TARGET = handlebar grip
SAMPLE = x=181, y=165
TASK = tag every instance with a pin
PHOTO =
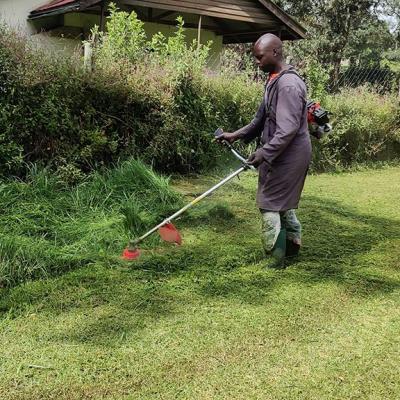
x=218, y=132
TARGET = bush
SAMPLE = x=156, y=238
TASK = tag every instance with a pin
x=366, y=129
x=160, y=108
x=317, y=78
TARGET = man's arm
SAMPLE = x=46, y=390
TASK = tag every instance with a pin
x=250, y=131
x=255, y=127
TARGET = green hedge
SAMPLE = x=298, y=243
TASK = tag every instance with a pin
x=54, y=113
x=366, y=130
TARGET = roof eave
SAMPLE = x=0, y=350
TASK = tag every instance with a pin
x=294, y=26
x=291, y=26
x=78, y=5
x=55, y=11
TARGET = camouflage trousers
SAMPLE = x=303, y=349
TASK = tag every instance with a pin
x=273, y=222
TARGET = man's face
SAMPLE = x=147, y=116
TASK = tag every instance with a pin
x=265, y=57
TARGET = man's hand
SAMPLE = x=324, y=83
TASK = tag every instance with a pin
x=256, y=159
x=229, y=137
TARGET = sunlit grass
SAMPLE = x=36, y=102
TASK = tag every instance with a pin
x=208, y=321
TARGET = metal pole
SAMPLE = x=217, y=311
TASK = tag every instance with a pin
x=199, y=32
x=191, y=204
x=87, y=56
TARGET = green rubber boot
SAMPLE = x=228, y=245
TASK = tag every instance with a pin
x=279, y=251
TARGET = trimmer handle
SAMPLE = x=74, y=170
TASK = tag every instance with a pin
x=239, y=156
x=218, y=133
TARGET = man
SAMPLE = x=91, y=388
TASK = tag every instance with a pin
x=284, y=153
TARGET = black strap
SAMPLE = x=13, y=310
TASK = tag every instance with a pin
x=271, y=96
x=273, y=86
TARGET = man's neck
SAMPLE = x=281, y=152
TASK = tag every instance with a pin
x=279, y=67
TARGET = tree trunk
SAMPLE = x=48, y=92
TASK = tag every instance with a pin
x=335, y=74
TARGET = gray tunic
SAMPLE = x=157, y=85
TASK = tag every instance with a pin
x=285, y=143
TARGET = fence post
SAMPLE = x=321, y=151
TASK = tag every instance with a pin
x=87, y=56
x=398, y=84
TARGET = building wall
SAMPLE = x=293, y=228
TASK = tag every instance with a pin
x=15, y=13
x=81, y=20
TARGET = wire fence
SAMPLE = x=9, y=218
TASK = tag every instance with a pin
x=383, y=80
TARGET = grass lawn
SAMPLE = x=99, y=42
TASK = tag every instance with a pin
x=208, y=321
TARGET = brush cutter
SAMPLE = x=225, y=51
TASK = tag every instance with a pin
x=166, y=229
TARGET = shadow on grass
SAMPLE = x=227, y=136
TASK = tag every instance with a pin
x=337, y=231
x=127, y=299
x=339, y=241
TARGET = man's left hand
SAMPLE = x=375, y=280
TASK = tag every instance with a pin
x=256, y=159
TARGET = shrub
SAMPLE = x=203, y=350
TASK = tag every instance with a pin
x=317, y=78
x=366, y=129
x=150, y=98
x=158, y=107
x=125, y=38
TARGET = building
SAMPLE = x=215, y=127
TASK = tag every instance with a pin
x=65, y=23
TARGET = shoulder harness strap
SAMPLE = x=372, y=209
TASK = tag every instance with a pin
x=273, y=87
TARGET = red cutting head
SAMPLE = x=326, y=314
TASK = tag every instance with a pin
x=130, y=254
x=170, y=234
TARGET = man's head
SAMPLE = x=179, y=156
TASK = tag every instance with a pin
x=268, y=52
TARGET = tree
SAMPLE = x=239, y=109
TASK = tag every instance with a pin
x=392, y=9
x=369, y=43
x=339, y=29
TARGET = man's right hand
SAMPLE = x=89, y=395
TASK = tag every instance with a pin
x=228, y=136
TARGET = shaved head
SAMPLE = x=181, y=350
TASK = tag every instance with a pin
x=268, y=52
x=269, y=41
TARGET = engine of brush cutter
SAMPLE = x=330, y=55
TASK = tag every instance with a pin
x=318, y=120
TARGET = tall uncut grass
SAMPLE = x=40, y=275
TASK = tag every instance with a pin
x=366, y=129
x=47, y=227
